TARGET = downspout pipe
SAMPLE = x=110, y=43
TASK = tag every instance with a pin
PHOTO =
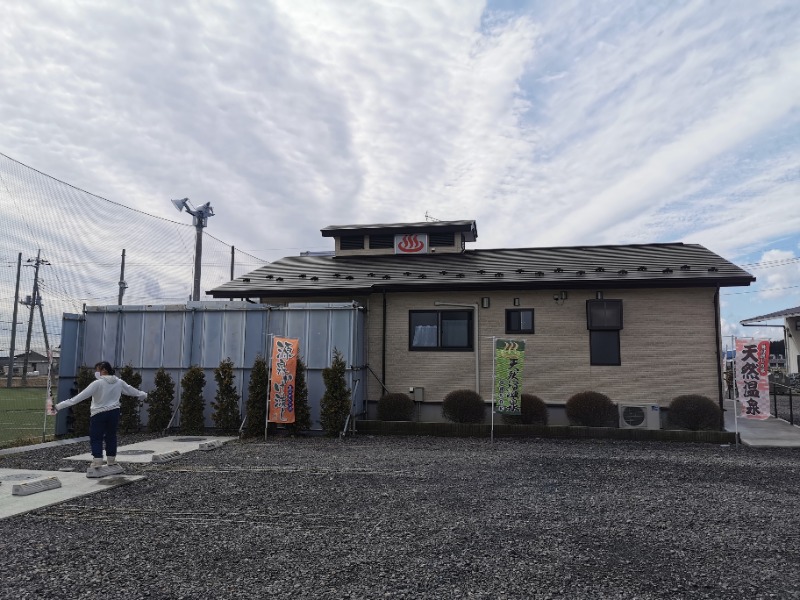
x=383, y=345
x=718, y=330
x=476, y=341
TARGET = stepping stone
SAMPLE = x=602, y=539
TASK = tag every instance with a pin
x=166, y=456
x=210, y=445
x=34, y=487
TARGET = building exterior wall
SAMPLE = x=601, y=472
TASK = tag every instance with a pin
x=668, y=345
x=792, y=325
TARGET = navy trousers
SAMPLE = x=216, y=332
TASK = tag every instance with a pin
x=103, y=427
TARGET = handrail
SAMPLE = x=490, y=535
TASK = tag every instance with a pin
x=347, y=420
x=783, y=385
x=375, y=375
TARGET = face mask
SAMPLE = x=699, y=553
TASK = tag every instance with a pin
x=97, y=375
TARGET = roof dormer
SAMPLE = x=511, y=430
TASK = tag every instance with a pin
x=402, y=238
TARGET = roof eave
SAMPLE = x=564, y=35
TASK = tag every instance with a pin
x=483, y=286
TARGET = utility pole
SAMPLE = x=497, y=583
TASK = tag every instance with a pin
x=200, y=219
x=14, y=324
x=34, y=299
x=122, y=285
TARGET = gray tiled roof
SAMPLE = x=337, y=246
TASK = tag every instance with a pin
x=789, y=312
x=646, y=265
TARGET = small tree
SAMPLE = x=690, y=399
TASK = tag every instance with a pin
x=302, y=412
x=129, y=421
x=226, y=400
x=159, y=402
x=335, y=404
x=192, y=402
x=81, y=411
x=257, y=397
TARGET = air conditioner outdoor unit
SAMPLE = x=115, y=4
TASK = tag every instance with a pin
x=640, y=416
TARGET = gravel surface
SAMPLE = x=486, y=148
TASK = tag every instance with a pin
x=380, y=517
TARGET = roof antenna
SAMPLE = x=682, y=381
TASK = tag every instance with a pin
x=430, y=218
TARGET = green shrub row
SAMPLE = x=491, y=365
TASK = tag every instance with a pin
x=161, y=398
x=588, y=409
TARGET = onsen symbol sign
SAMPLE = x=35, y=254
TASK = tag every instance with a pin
x=412, y=243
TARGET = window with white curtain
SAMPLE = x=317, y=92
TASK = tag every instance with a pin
x=440, y=330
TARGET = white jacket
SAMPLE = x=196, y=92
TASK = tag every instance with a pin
x=105, y=393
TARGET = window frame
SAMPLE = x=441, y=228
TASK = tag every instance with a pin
x=350, y=243
x=595, y=360
x=532, y=329
x=601, y=327
x=598, y=354
x=470, y=316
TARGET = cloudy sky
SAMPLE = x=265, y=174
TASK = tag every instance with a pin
x=548, y=122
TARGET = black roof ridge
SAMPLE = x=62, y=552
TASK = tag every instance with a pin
x=589, y=247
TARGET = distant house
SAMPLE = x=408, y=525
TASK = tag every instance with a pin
x=790, y=320
x=36, y=363
x=639, y=323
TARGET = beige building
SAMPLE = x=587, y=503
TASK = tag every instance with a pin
x=790, y=322
x=639, y=323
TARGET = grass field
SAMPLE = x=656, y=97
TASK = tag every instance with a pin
x=22, y=415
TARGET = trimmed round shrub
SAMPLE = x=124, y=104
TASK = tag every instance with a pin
x=463, y=406
x=591, y=409
x=395, y=407
x=534, y=412
x=694, y=412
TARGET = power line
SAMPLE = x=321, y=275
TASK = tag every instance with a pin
x=789, y=287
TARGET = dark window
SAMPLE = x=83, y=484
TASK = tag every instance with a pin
x=604, y=347
x=381, y=242
x=440, y=330
x=604, y=314
x=351, y=242
x=519, y=320
x=436, y=240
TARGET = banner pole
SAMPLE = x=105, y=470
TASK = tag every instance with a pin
x=494, y=376
x=48, y=403
x=269, y=387
x=733, y=397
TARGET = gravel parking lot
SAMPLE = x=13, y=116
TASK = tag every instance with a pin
x=375, y=517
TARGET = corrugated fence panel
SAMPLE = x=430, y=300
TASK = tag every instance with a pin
x=68, y=363
x=110, y=335
x=93, y=340
x=316, y=351
x=204, y=333
x=255, y=340
x=153, y=347
x=173, y=339
x=211, y=350
x=340, y=335
x=233, y=337
x=132, y=331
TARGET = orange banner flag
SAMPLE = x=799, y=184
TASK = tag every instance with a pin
x=282, y=383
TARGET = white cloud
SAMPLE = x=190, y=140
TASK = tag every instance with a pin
x=779, y=271
x=557, y=123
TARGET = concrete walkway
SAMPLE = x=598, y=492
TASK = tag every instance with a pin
x=769, y=433
x=19, y=449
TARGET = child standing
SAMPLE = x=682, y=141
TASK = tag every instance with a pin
x=105, y=409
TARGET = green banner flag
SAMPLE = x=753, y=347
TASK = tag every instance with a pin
x=509, y=357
